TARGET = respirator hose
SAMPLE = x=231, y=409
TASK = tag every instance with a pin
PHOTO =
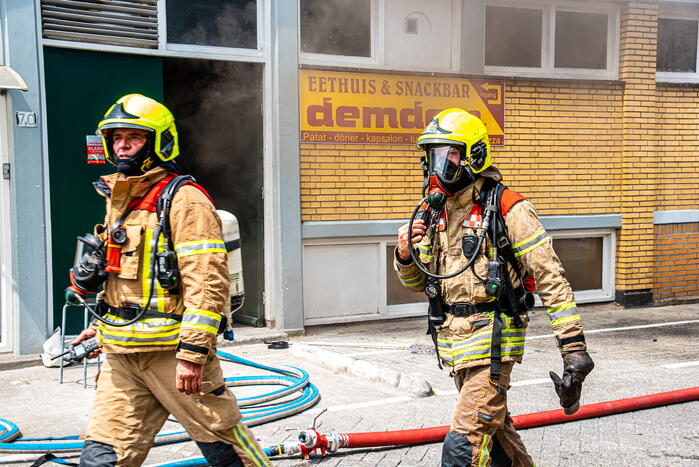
x=154, y=250
x=471, y=260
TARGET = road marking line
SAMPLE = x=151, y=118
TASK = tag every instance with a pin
x=373, y=352
x=526, y=382
x=360, y=405
x=681, y=364
x=531, y=382
x=626, y=328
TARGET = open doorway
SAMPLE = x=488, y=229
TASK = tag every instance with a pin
x=218, y=109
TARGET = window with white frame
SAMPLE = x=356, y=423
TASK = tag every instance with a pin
x=678, y=37
x=553, y=39
x=336, y=27
x=216, y=29
x=218, y=23
x=339, y=31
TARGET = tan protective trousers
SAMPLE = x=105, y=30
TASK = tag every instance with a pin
x=481, y=414
x=136, y=393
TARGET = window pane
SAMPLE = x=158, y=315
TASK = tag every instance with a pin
x=222, y=23
x=338, y=27
x=582, y=260
x=677, y=45
x=396, y=292
x=512, y=37
x=581, y=40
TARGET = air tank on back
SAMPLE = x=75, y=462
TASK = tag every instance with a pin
x=231, y=235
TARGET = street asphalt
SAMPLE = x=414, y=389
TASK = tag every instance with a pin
x=636, y=351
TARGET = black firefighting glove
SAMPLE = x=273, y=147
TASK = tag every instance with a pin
x=576, y=366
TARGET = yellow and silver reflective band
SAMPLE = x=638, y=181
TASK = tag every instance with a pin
x=476, y=347
x=425, y=252
x=531, y=242
x=199, y=247
x=413, y=281
x=485, y=451
x=563, y=313
x=130, y=336
x=158, y=298
x=203, y=320
x=250, y=446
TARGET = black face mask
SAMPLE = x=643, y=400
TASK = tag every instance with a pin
x=137, y=164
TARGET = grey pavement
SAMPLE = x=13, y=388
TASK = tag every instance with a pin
x=629, y=362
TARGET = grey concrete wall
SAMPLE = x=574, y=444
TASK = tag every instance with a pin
x=285, y=291
x=28, y=208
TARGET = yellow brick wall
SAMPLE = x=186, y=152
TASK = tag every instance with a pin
x=676, y=261
x=639, y=147
x=573, y=147
x=562, y=152
x=678, y=149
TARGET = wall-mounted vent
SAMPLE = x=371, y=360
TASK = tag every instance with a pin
x=411, y=24
x=130, y=23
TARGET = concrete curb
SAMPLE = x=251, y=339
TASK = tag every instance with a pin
x=361, y=368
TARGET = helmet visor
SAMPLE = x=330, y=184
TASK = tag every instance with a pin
x=445, y=161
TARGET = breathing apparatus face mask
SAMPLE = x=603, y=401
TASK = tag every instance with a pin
x=89, y=263
x=448, y=172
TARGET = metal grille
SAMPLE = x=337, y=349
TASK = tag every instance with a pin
x=411, y=24
x=130, y=23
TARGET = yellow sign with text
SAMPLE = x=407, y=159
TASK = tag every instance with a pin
x=365, y=108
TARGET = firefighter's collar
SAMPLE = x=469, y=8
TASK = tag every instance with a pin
x=138, y=185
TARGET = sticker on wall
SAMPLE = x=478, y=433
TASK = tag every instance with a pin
x=95, y=150
x=363, y=108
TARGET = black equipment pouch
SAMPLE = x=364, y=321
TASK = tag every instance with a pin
x=435, y=314
x=167, y=270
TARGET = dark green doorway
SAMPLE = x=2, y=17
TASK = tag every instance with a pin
x=218, y=109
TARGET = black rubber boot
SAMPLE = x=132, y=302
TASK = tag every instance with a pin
x=96, y=454
x=457, y=450
x=220, y=454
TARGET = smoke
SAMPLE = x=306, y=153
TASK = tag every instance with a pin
x=225, y=23
x=218, y=113
x=339, y=27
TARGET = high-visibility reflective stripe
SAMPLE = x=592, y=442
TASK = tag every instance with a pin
x=484, y=352
x=563, y=313
x=482, y=341
x=200, y=247
x=250, y=447
x=485, y=451
x=413, y=281
x=530, y=242
x=147, y=324
x=567, y=319
x=425, y=252
x=111, y=336
x=204, y=320
x=158, y=299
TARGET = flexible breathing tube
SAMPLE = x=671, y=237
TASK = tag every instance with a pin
x=256, y=410
x=476, y=251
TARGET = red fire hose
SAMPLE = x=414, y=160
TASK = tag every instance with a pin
x=312, y=440
x=530, y=420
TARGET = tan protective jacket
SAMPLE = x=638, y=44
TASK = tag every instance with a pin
x=204, y=279
x=466, y=341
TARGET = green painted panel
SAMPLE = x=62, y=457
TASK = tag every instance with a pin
x=80, y=87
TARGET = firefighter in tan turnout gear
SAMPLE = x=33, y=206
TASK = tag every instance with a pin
x=478, y=251
x=160, y=310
